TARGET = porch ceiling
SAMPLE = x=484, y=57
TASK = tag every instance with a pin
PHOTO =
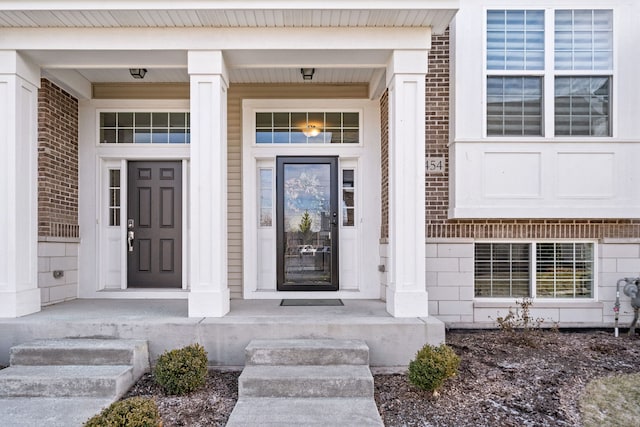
x=228, y=14
x=80, y=42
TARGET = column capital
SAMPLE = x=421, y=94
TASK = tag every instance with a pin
x=11, y=62
x=407, y=62
x=206, y=63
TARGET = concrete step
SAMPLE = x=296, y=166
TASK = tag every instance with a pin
x=307, y=352
x=49, y=411
x=66, y=381
x=83, y=352
x=286, y=412
x=306, y=381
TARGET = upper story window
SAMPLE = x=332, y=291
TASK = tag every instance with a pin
x=562, y=88
x=308, y=128
x=145, y=128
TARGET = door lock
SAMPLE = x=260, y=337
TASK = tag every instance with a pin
x=130, y=237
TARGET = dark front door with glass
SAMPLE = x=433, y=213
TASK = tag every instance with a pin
x=154, y=225
x=307, y=223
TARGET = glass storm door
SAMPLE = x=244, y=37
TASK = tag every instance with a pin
x=307, y=223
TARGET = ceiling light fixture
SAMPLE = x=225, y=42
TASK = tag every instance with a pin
x=307, y=73
x=138, y=73
x=310, y=131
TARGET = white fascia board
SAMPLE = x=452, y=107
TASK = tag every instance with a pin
x=310, y=39
x=71, y=81
x=74, y=5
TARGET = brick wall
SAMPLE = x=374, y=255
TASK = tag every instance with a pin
x=58, y=231
x=437, y=184
x=384, y=165
x=57, y=162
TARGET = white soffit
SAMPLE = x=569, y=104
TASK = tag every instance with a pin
x=227, y=14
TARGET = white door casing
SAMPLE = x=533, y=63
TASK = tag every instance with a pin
x=358, y=245
x=103, y=272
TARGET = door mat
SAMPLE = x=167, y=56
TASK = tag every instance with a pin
x=310, y=302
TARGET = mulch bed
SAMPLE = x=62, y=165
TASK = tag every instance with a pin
x=505, y=379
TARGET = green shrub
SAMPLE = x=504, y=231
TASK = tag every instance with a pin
x=133, y=412
x=183, y=370
x=432, y=366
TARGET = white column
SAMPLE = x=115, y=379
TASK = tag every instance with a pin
x=406, y=292
x=19, y=82
x=209, y=290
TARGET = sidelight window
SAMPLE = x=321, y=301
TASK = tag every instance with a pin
x=114, y=197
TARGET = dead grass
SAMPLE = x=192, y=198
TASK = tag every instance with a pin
x=612, y=401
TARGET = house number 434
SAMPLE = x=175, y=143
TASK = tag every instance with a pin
x=435, y=164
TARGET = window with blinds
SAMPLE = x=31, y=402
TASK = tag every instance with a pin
x=502, y=270
x=578, y=74
x=536, y=269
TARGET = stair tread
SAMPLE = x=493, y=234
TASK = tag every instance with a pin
x=308, y=344
x=54, y=372
x=305, y=371
x=267, y=411
x=76, y=343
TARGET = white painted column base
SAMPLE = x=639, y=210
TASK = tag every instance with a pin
x=209, y=303
x=20, y=303
x=407, y=303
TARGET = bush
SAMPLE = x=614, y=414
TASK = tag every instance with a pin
x=432, y=366
x=183, y=370
x=133, y=412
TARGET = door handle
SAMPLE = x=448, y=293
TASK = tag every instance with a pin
x=130, y=237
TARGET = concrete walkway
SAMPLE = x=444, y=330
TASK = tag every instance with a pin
x=49, y=412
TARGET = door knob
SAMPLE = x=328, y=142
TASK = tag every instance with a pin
x=130, y=237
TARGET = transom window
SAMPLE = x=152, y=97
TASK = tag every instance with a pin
x=576, y=79
x=537, y=269
x=145, y=128
x=308, y=128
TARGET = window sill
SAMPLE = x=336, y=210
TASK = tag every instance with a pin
x=539, y=304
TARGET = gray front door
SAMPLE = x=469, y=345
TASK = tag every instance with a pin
x=154, y=225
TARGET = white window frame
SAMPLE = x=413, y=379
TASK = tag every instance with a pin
x=548, y=77
x=533, y=275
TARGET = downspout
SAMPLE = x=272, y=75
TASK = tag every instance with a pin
x=616, y=307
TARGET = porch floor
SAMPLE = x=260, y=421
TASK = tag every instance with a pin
x=165, y=325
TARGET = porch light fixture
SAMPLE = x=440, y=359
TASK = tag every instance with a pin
x=311, y=131
x=307, y=73
x=138, y=73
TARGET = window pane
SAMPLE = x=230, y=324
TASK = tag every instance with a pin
x=514, y=106
x=266, y=197
x=315, y=127
x=263, y=120
x=579, y=35
x=564, y=270
x=515, y=39
x=144, y=128
x=348, y=198
x=114, y=197
x=582, y=106
x=502, y=270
